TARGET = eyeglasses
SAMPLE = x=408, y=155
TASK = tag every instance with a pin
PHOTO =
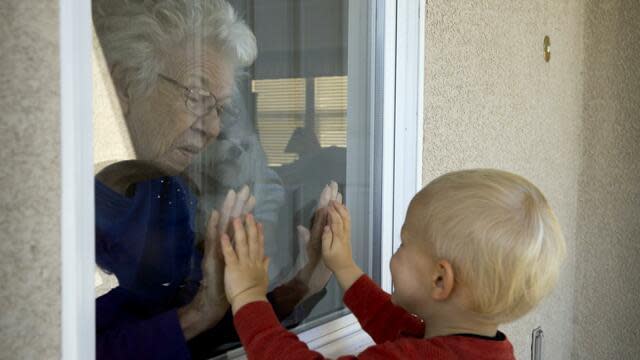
x=200, y=102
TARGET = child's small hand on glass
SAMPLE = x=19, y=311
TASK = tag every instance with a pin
x=336, y=245
x=245, y=274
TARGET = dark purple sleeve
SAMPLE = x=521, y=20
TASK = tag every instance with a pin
x=122, y=335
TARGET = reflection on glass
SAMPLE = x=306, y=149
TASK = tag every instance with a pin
x=218, y=120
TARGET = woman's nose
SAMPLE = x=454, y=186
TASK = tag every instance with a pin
x=209, y=125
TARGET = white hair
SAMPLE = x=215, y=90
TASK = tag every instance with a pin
x=137, y=35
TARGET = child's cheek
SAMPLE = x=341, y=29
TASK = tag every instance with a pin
x=393, y=264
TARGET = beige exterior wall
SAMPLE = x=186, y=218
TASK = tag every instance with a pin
x=30, y=181
x=607, y=311
x=492, y=101
x=570, y=125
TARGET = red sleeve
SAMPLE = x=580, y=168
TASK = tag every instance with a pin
x=377, y=315
x=264, y=338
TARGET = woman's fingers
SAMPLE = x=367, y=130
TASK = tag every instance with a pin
x=328, y=194
x=227, y=207
x=303, y=235
x=230, y=257
x=242, y=249
x=249, y=205
x=210, y=243
x=339, y=198
x=319, y=221
x=242, y=198
x=334, y=190
x=325, y=196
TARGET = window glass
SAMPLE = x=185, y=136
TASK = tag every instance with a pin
x=199, y=99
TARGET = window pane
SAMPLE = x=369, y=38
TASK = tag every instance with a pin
x=197, y=98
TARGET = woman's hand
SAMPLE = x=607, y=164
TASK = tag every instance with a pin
x=210, y=303
x=314, y=273
x=246, y=277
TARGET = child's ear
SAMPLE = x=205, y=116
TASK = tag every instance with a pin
x=442, y=281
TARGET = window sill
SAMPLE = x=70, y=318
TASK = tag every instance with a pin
x=339, y=337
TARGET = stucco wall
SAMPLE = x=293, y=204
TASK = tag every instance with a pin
x=492, y=101
x=30, y=181
x=607, y=284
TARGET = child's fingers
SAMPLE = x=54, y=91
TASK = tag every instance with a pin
x=252, y=237
x=260, y=241
x=230, y=257
x=327, y=240
x=242, y=249
x=336, y=223
x=344, y=214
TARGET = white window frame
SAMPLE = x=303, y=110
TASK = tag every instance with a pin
x=396, y=67
x=77, y=211
x=400, y=46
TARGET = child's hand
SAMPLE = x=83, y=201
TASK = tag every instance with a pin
x=245, y=273
x=336, y=245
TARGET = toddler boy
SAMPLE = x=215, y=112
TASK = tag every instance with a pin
x=479, y=248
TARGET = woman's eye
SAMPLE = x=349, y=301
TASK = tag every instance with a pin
x=195, y=100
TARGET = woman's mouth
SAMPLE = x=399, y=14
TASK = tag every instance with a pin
x=190, y=149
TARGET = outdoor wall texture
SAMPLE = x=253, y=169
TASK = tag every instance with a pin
x=30, y=180
x=570, y=125
x=607, y=303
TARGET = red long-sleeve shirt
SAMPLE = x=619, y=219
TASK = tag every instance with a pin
x=398, y=334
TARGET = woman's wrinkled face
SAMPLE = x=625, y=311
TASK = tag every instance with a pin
x=162, y=129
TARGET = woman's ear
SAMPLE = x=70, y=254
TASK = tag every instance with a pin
x=442, y=281
x=121, y=87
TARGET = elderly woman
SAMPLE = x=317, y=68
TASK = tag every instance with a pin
x=173, y=64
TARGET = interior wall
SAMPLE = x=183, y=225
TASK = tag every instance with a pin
x=30, y=180
x=607, y=308
x=491, y=100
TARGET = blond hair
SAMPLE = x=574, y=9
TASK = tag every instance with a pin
x=500, y=235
